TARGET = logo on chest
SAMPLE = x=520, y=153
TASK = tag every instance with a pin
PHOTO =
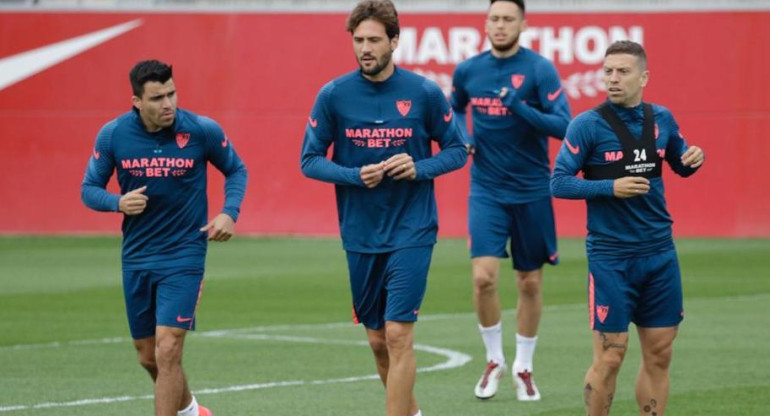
x=379, y=137
x=404, y=106
x=157, y=167
x=640, y=155
x=182, y=139
x=491, y=106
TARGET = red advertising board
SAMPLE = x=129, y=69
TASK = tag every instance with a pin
x=63, y=75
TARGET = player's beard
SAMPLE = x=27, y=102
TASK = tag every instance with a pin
x=505, y=47
x=382, y=63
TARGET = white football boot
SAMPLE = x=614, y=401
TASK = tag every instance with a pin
x=526, y=390
x=486, y=388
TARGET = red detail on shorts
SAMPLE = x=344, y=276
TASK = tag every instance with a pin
x=602, y=311
x=355, y=317
x=197, y=301
x=591, y=300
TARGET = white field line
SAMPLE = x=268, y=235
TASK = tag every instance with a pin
x=425, y=318
x=264, y=328
x=453, y=359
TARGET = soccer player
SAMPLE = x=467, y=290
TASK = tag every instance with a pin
x=633, y=272
x=517, y=102
x=381, y=120
x=160, y=153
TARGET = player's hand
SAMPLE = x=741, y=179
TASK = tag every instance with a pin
x=693, y=157
x=631, y=186
x=471, y=149
x=401, y=166
x=133, y=202
x=372, y=175
x=221, y=228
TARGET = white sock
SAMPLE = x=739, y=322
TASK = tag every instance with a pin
x=419, y=413
x=191, y=410
x=525, y=353
x=493, y=342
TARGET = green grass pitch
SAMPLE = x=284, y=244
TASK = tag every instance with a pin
x=274, y=334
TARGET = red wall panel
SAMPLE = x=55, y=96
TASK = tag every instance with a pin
x=257, y=74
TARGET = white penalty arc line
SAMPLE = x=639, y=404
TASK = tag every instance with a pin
x=454, y=359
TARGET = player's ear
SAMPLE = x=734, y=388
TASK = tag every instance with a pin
x=136, y=102
x=645, y=77
x=394, y=43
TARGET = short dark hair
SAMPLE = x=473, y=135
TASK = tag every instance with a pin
x=382, y=11
x=147, y=71
x=519, y=3
x=627, y=47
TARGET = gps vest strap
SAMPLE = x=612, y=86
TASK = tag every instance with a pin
x=639, y=157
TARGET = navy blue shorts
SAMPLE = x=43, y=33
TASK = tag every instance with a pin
x=161, y=297
x=644, y=290
x=530, y=228
x=388, y=286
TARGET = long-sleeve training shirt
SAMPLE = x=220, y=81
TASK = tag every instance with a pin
x=619, y=227
x=367, y=123
x=172, y=164
x=510, y=134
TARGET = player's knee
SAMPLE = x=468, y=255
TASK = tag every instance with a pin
x=609, y=363
x=529, y=283
x=530, y=286
x=146, y=358
x=397, y=344
x=168, y=351
x=484, y=281
x=398, y=339
x=148, y=362
x=659, y=358
x=379, y=347
x=145, y=354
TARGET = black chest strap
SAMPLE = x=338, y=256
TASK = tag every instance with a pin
x=639, y=157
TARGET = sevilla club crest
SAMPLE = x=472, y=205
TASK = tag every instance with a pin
x=601, y=312
x=517, y=80
x=182, y=139
x=404, y=106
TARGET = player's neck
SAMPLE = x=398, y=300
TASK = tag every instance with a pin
x=148, y=125
x=383, y=75
x=505, y=53
x=631, y=103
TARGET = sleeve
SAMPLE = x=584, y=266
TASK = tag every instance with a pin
x=459, y=101
x=319, y=136
x=676, y=147
x=221, y=153
x=442, y=127
x=101, y=165
x=574, y=154
x=555, y=117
